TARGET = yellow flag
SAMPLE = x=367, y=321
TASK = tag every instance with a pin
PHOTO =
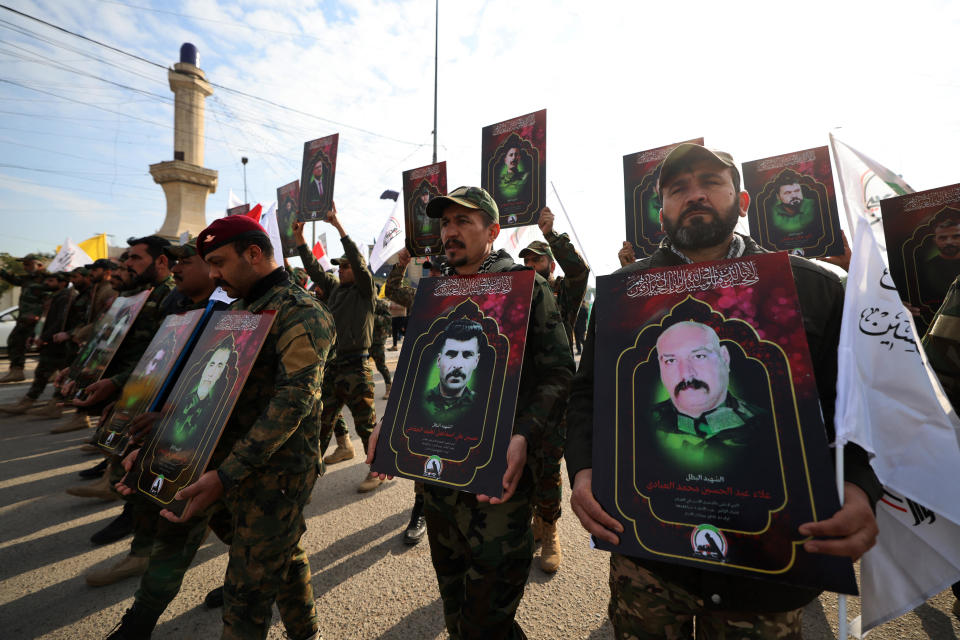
x=95, y=247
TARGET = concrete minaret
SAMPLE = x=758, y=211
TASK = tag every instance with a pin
x=186, y=183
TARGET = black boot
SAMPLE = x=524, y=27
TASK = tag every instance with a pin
x=120, y=527
x=94, y=472
x=214, y=599
x=418, y=524
x=136, y=624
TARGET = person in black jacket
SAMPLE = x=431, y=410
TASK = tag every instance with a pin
x=702, y=201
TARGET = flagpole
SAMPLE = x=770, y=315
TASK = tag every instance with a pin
x=570, y=222
x=843, y=191
x=841, y=598
x=436, y=57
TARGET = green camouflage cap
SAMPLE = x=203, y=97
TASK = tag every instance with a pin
x=343, y=260
x=83, y=271
x=185, y=250
x=538, y=248
x=31, y=256
x=469, y=197
x=683, y=155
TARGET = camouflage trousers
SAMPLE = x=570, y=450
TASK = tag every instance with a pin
x=482, y=555
x=347, y=383
x=643, y=607
x=545, y=454
x=17, y=342
x=53, y=357
x=379, y=357
x=262, y=521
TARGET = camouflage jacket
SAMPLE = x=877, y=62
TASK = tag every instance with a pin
x=942, y=344
x=141, y=332
x=352, y=305
x=58, y=313
x=573, y=285
x=271, y=429
x=383, y=323
x=395, y=290
x=32, y=292
x=96, y=300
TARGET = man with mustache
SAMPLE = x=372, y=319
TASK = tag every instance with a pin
x=939, y=270
x=458, y=357
x=702, y=201
x=793, y=214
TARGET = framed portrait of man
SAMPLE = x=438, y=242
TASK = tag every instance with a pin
x=450, y=420
x=793, y=206
x=288, y=206
x=641, y=171
x=420, y=186
x=709, y=445
x=514, y=167
x=316, y=178
x=922, y=232
x=144, y=385
x=180, y=445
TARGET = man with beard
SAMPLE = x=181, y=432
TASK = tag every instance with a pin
x=513, y=178
x=316, y=189
x=937, y=272
x=702, y=200
x=482, y=547
x=33, y=293
x=569, y=291
x=461, y=344
x=795, y=220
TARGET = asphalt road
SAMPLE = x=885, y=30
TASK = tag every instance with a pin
x=367, y=583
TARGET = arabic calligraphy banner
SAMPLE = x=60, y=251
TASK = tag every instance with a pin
x=713, y=450
x=450, y=414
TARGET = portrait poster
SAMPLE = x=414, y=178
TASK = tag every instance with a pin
x=108, y=335
x=922, y=232
x=793, y=206
x=147, y=379
x=709, y=445
x=514, y=167
x=288, y=205
x=179, y=447
x=239, y=210
x=641, y=171
x=450, y=419
x=420, y=186
x=316, y=178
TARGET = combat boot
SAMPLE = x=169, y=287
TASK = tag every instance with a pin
x=129, y=567
x=19, y=407
x=76, y=422
x=344, y=451
x=50, y=410
x=386, y=391
x=418, y=524
x=99, y=489
x=14, y=375
x=136, y=624
x=119, y=527
x=372, y=482
x=550, y=554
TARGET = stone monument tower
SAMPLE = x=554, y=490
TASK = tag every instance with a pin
x=185, y=181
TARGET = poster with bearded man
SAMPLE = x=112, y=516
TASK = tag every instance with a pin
x=185, y=435
x=709, y=444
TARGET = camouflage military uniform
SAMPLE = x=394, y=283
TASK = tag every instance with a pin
x=942, y=343
x=482, y=552
x=54, y=355
x=381, y=329
x=32, y=296
x=268, y=460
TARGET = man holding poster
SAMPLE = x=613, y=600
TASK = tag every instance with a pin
x=702, y=200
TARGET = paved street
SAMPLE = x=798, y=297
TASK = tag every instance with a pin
x=366, y=582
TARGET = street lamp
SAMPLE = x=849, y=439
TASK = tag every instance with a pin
x=243, y=161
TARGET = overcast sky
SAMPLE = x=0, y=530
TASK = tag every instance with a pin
x=757, y=79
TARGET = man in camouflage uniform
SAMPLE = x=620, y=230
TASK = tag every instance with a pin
x=100, y=293
x=701, y=203
x=381, y=329
x=263, y=469
x=32, y=295
x=482, y=547
x=54, y=354
x=348, y=379
x=569, y=289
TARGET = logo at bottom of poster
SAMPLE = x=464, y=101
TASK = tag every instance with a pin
x=709, y=542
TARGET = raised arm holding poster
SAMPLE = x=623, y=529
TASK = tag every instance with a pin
x=288, y=206
x=713, y=450
x=793, y=206
x=514, y=167
x=316, y=178
x=420, y=186
x=450, y=415
x=181, y=443
x=642, y=202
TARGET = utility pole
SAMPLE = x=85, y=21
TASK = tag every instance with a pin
x=436, y=50
x=243, y=161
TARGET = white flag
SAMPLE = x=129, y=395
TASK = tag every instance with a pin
x=70, y=256
x=268, y=220
x=390, y=240
x=233, y=200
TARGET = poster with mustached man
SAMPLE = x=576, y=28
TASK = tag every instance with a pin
x=514, y=167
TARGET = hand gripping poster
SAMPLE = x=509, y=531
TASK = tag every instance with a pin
x=148, y=378
x=641, y=171
x=514, y=167
x=316, y=178
x=709, y=446
x=449, y=418
x=420, y=186
x=793, y=206
x=922, y=232
x=108, y=334
x=183, y=439
x=288, y=206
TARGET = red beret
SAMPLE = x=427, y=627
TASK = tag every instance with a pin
x=225, y=230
